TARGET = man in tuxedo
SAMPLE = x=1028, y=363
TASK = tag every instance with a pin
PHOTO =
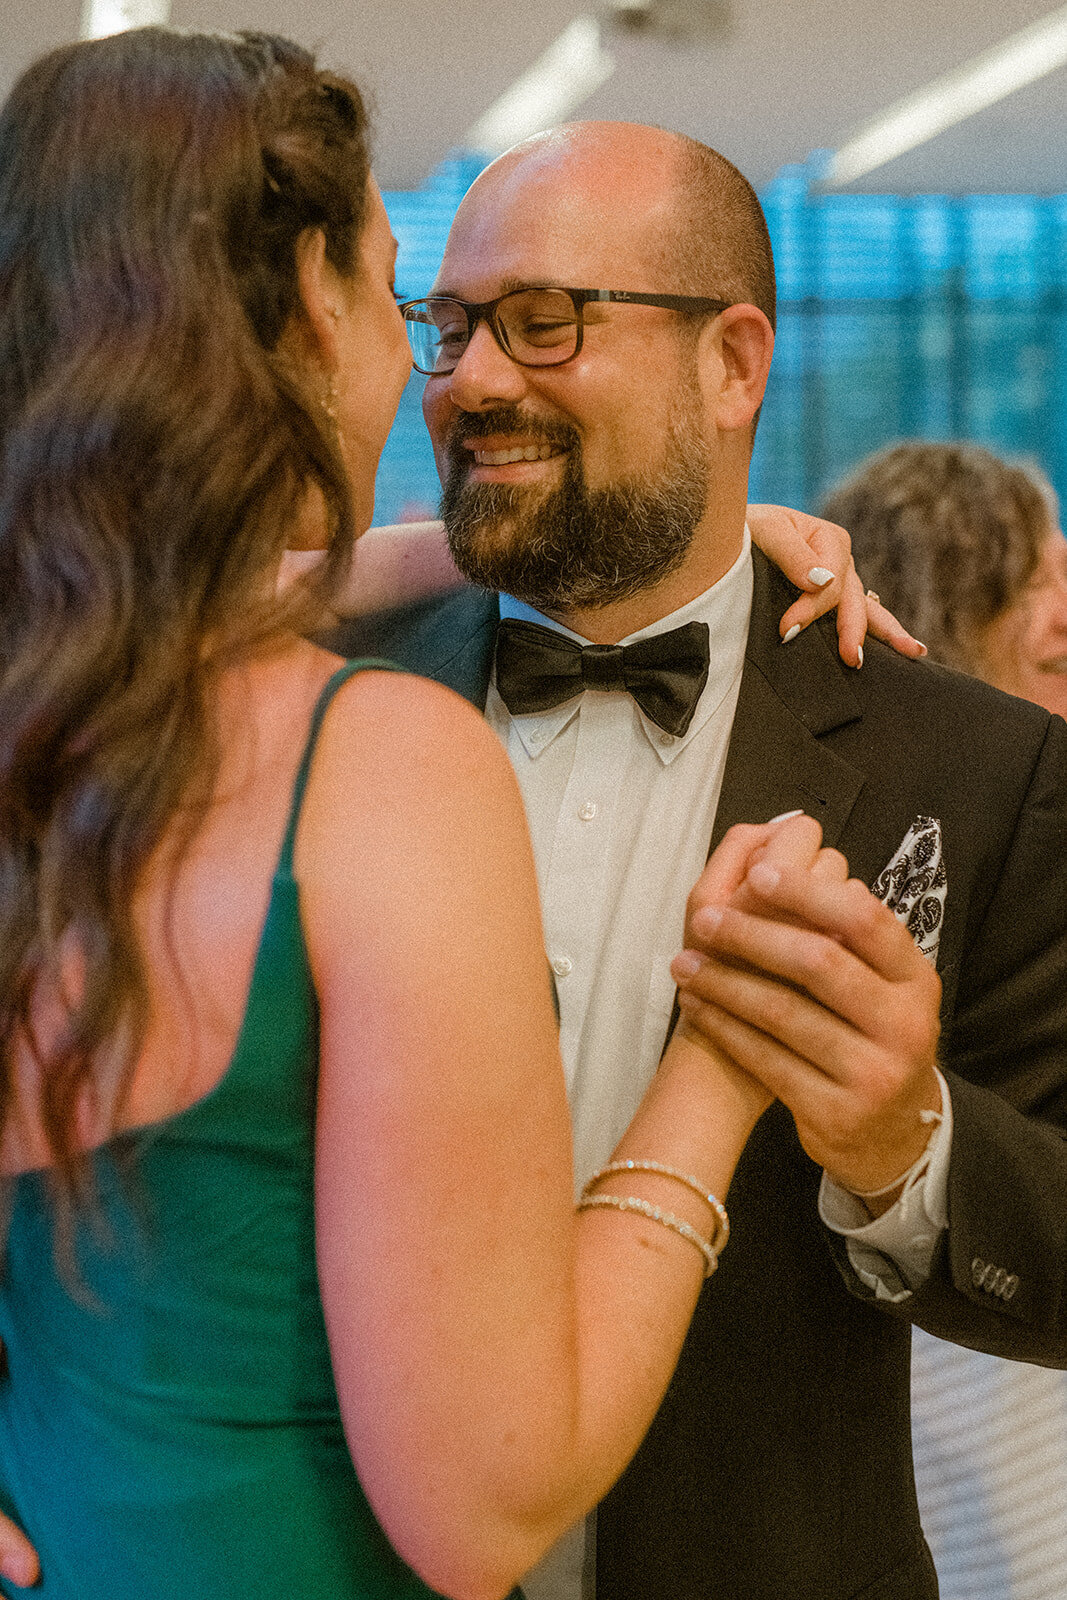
x=597, y=347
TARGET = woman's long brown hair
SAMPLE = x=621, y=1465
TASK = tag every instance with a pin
x=155, y=453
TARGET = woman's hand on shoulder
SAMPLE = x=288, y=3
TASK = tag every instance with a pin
x=816, y=556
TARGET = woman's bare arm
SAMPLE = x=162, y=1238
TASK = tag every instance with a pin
x=393, y=565
x=498, y=1358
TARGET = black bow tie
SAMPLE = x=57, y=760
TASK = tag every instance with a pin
x=537, y=668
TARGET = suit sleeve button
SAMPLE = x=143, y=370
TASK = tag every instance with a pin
x=1011, y=1285
x=978, y=1269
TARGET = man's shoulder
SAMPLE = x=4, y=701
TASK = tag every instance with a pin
x=948, y=705
x=899, y=705
x=420, y=636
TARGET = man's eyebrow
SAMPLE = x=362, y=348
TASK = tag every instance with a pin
x=509, y=285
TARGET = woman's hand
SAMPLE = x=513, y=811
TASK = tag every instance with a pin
x=406, y=562
x=791, y=840
x=816, y=556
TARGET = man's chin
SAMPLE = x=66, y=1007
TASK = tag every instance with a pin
x=492, y=516
x=480, y=543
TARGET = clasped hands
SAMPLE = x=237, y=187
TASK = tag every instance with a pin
x=809, y=984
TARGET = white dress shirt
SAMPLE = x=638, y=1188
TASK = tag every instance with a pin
x=620, y=814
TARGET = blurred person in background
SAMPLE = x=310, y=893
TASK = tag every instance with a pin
x=966, y=548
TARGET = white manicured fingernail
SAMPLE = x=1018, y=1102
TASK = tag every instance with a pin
x=794, y=630
x=821, y=576
x=923, y=650
x=859, y=656
x=785, y=816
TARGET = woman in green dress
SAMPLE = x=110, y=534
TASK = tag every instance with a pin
x=293, y=1303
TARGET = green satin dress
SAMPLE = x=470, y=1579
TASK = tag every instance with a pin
x=175, y=1433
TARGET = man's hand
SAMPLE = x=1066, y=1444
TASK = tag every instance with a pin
x=815, y=988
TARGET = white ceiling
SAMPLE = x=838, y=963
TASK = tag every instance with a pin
x=791, y=76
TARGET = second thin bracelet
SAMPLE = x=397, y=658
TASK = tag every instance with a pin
x=630, y=1202
x=722, y=1232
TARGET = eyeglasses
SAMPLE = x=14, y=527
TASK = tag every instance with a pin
x=535, y=327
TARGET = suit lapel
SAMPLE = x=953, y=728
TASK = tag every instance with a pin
x=790, y=697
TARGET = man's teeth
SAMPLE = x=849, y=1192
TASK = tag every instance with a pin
x=500, y=458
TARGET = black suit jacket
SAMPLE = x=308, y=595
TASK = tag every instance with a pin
x=779, y=1466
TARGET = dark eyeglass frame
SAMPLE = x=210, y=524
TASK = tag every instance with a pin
x=486, y=311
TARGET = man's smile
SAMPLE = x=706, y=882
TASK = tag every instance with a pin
x=497, y=458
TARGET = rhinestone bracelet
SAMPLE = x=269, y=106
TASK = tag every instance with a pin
x=630, y=1202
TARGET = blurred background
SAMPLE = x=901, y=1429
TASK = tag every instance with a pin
x=911, y=161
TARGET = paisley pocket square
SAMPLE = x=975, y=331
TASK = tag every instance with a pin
x=914, y=884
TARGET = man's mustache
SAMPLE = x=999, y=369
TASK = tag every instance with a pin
x=507, y=419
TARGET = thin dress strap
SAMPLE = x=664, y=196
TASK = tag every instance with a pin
x=322, y=705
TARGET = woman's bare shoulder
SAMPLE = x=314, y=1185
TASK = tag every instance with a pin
x=385, y=712
x=393, y=742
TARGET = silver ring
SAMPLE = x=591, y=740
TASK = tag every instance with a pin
x=872, y=596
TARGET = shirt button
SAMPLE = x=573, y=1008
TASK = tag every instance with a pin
x=666, y=738
x=561, y=965
x=588, y=810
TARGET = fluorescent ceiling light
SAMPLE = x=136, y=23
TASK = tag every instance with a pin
x=1022, y=58
x=101, y=17
x=570, y=70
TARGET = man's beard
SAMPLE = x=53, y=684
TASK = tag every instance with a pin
x=573, y=547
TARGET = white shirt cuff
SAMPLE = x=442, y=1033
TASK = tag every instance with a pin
x=893, y=1253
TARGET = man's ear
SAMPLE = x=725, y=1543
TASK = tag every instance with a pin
x=320, y=295
x=736, y=352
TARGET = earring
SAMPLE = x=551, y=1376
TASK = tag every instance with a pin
x=328, y=401
x=334, y=312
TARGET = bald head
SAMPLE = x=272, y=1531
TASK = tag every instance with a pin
x=693, y=222
x=721, y=236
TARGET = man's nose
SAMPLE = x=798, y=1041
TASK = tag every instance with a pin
x=485, y=375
